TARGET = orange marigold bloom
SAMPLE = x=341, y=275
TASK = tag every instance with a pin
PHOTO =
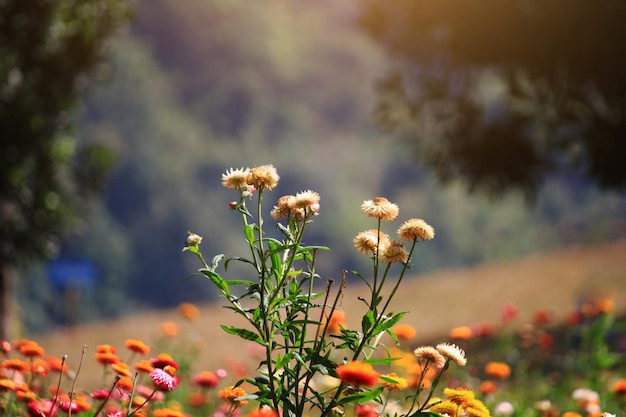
x=125, y=383
x=358, y=373
x=169, y=329
x=40, y=367
x=404, y=331
x=16, y=364
x=263, y=411
x=461, y=333
x=498, y=370
x=7, y=385
x=198, y=399
x=487, y=387
x=231, y=394
x=168, y=412
x=571, y=414
x=619, y=387
x=105, y=349
x=336, y=321
x=380, y=208
x=144, y=366
x=189, y=311
x=57, y=364
x=31, y=349
x=137, y=345
x=121, y=369
x=107, y=358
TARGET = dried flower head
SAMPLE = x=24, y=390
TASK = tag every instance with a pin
x=394, y=252
x=193, y=239
x=380, y=208
x=414, y=229
x=358, y=373
x=430, y=355
x=306, y=199
x=452, y=352
x=236, y=178
x=283, y=207
x=371, y=241
x=263, y=177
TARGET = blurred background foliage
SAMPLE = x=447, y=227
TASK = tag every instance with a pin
x=193, y=88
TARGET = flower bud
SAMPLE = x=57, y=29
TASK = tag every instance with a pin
x=233, y=205
x=193, y=239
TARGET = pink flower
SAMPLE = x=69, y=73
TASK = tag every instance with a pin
x=164, y=379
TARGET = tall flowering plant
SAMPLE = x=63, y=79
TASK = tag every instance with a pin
x=313, y=363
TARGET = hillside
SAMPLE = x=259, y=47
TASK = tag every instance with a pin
x=435, y=302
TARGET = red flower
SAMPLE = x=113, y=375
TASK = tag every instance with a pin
x=164, y=379
x=206, y=379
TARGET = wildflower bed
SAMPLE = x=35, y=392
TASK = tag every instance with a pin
x=310, y=362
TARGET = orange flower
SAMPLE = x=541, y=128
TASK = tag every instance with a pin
x=231, y=394
x=107, y=358
x=198, y=399
x=357, y=373
x=144, y=366
x=40, y=367
x=404, y=331
x=163, y=360
x=57, y=364
x=137, y=345
x=121, y=369
x=169, y=329
x=264, y=411
x=105, y=349
x=461, y=333
x=125, y=383
x=487, y=387
x=619, y=387
x=7, y=385
x=542, y=317
x=16, y=364
x=336, y=322
x=31, y=349
x=189, y=311
x=498, y=370
x=206, y=379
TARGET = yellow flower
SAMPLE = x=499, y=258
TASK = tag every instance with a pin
x=380, y=208
x=393, y=382
x=236, y=178
x=416, y=229
x=459, y=396
x=263, y=177
x=394, y=252
x=445, y=407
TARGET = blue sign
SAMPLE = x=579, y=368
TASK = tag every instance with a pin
x=73, y=273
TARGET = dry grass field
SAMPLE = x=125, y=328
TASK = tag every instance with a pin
x=436, y=302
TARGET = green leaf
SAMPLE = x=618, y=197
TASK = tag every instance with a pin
x=361, y=397
x=217, y=279
x=386, y=324
x=249, y=232
x=240, y=282
x=237, y=258
x=216, y=261
x=367, y=321
x=243, y=333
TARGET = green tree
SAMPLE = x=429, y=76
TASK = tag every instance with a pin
x=49, y=49
x=501, y=94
